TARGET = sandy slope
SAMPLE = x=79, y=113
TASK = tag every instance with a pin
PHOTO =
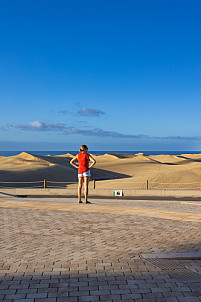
x=112, y=170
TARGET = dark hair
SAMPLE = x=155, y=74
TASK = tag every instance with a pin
x=83, y=148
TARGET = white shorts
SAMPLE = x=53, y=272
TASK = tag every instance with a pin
x=84, y=174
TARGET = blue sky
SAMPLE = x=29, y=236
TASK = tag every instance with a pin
x=115, y=75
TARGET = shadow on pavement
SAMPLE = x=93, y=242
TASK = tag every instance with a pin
x=90, y=281
x=11, y=195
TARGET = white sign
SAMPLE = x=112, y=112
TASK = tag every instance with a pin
x=118, y=192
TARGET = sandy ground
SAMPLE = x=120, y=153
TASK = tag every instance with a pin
x=130, y=170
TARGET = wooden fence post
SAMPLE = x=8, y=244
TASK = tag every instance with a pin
x=147, y=184
x=44, y=184
x=94, y=184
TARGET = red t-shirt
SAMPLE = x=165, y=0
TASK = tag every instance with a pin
x=83, y=159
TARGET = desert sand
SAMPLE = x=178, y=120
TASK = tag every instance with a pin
x=122, y=171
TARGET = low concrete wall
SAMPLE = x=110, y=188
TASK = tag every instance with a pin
x=102, y=192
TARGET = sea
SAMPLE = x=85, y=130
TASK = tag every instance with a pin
x=54, y=153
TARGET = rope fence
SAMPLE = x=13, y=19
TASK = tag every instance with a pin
x=97, y=184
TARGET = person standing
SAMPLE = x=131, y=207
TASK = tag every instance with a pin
x=84, y=174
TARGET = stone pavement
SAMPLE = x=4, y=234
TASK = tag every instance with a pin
x=57, y=250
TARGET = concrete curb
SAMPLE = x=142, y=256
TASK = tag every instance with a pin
x=174, y=256
x=104, y=193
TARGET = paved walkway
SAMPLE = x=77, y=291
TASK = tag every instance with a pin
x=57, y=250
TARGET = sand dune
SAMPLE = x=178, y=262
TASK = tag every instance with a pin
x=66, y=155
x=122, y=155
x=111, y=170
x=22, y=161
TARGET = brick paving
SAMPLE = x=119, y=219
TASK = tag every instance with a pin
x=57, y=250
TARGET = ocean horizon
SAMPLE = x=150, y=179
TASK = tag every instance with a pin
x=54, y=153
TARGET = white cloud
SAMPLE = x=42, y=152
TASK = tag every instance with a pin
x=38, y=126
x=90, y=112
x=98, y=132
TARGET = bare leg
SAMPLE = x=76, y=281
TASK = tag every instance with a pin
x=86, y=182
x=80, y=182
